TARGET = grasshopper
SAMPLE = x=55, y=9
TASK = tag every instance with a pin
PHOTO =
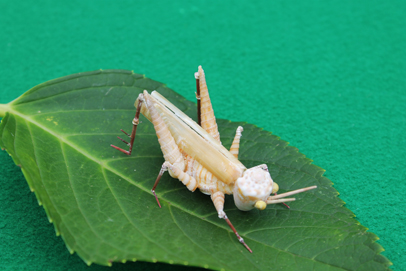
x=194, y=154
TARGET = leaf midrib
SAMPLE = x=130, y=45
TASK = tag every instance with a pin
x=103, y=164
x=4, y=108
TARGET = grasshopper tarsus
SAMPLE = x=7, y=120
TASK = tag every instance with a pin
x=236, y=233
x=246, y=246
x=156, y=197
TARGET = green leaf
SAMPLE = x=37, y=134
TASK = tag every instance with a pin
x=99, y=199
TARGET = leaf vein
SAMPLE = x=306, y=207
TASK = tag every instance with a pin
x=126, y=216
x=45, y=188
x=78, y=205
x=191, y=240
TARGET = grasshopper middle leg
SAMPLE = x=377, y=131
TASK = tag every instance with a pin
x=176, y=172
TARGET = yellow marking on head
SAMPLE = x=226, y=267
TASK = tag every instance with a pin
x=275, y=188
x=260, y=205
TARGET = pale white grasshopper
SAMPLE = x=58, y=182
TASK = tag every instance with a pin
x=194, y=154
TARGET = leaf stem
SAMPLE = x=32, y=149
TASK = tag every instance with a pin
x=3, y=109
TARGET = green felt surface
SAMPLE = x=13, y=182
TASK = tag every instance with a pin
x=327, y=76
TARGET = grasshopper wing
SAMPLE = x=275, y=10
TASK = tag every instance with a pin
x=196, y=142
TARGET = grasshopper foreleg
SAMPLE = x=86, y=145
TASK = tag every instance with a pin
x=218, y=201
x=135, y=123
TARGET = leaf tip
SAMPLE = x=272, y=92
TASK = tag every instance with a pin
x=134, y=259
x=154, y=260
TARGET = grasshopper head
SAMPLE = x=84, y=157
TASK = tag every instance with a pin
x=253, y=188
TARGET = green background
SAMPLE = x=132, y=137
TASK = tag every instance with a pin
x=327, y=76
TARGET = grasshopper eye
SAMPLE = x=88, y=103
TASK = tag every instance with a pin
x=260, y=205
x=275, y=188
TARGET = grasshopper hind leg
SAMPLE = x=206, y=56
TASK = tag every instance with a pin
x=206, y=117
x=135, y=123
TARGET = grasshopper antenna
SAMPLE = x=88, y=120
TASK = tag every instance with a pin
x=280, y=198
x=135, y=123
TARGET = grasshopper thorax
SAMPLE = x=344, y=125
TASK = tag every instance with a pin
x=255, y=185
